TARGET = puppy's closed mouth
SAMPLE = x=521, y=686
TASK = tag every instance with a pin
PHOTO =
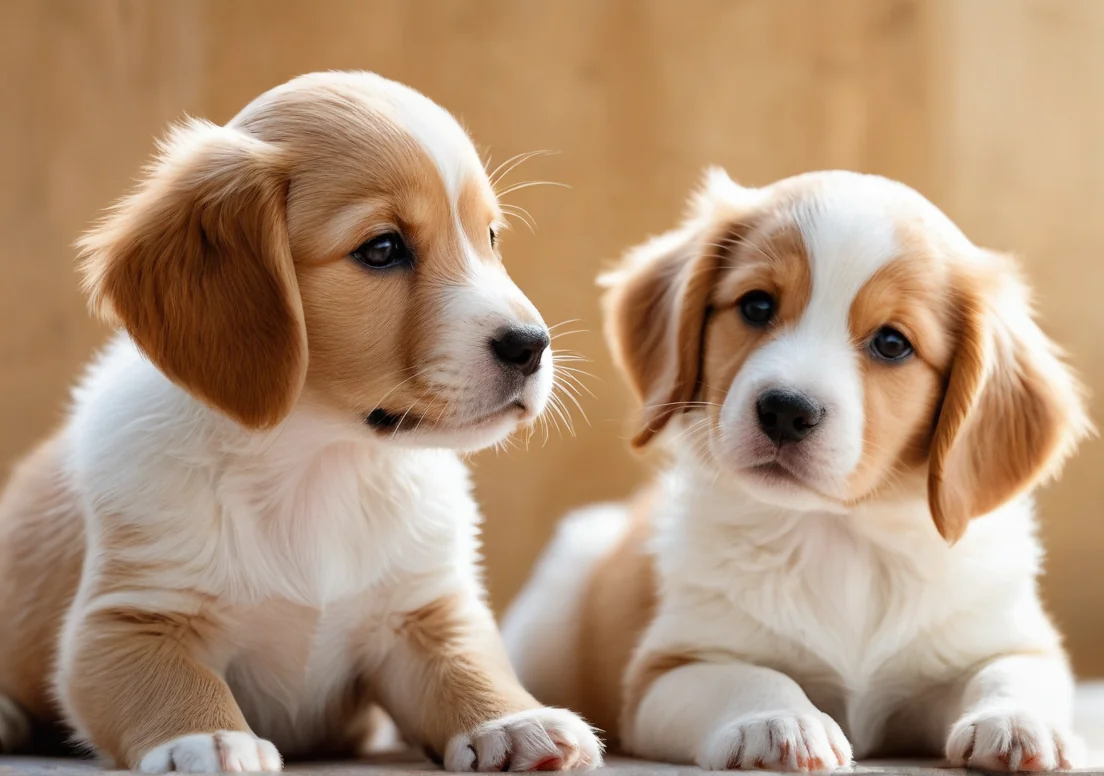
x=774, y=472
x=382, y=420
x=778, y=474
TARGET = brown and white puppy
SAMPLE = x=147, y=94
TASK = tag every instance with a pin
x=840, y=556
x=253, y=525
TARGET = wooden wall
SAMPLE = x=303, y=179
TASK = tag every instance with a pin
x=993, y=108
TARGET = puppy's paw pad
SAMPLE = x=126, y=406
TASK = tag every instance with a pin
x=538, y=740
x=15, y=726
x=1012, y=741
x=226, y=751
x=778, y=742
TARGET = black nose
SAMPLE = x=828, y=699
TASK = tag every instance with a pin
x=787, y=416
x=521, y=347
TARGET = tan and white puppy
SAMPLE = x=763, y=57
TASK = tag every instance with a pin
x=253, y=526
x=840, y=557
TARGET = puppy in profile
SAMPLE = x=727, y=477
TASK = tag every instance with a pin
x=840, y=557
x=254, y=528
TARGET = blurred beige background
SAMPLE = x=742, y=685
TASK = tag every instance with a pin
x=992, y=108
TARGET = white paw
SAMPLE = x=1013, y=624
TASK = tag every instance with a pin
x=1012, y=741
x=537, y=740
x=777, y=742
x=221, y=752
x=15, y=728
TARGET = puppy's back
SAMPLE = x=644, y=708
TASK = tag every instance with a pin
x=573, y=628
x=41, y=553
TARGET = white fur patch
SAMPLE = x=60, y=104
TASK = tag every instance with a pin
x=226, y=751
x=848, y=232
x=777, y=742
x=818, y=629
x=438, y=132
x=303, y=533
x=553, y=738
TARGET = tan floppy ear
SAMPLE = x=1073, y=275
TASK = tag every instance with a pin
x=657, y=300
x=196, y=265
x=1012, y=412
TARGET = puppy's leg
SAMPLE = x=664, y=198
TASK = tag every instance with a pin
x=448, y=684
x=727, y=715
x=1015, y=714
x=139, y=688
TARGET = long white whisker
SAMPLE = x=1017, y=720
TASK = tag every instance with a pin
x=572, y=353
x=510, y=210
x=568, y=333
x=504, y=169
x=555, y=326
x=576, y=384
x=396, y=387
x=529, y=184
x=577, y=374
x=576, y=371
x=398, y=426
x=578, y=406
x=561, y=412
x=544, y=425
x=496, y=173
x=553, y=416
x=521, y=214
x=521, y=211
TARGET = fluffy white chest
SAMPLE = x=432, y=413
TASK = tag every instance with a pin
x=339, y=522
x=863, y=610
x=325, y=581
x=834, y=594
x=313, y=511
x=301, y=542
x=840, y=615
x=296, y=669
x=347, y=523
x=816, y=592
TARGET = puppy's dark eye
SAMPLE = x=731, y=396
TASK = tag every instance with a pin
x=756, y=307
x=387, y=250
x=888, y=344
x=494, y=236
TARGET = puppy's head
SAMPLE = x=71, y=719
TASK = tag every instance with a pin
x=833, y=339
x=337, y=238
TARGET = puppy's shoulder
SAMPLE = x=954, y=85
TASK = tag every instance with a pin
x=129, y=426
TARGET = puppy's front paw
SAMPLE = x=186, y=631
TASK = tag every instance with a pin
x=537, y=740
x=778, y=742
x=221, y=752
x=1012, y=741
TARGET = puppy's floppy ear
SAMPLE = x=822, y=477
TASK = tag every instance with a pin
x=196, y=265
x=1012, y=411
x=657, y=300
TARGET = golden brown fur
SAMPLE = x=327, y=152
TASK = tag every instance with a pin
x=204, y=243
x=230, y=268
x=42, y=545
x=981, y=412
x=464, y=676
x=618, y=604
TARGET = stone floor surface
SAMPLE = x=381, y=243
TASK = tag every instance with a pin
x=1089, y=724
x=29, y=766
x=400, y=766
